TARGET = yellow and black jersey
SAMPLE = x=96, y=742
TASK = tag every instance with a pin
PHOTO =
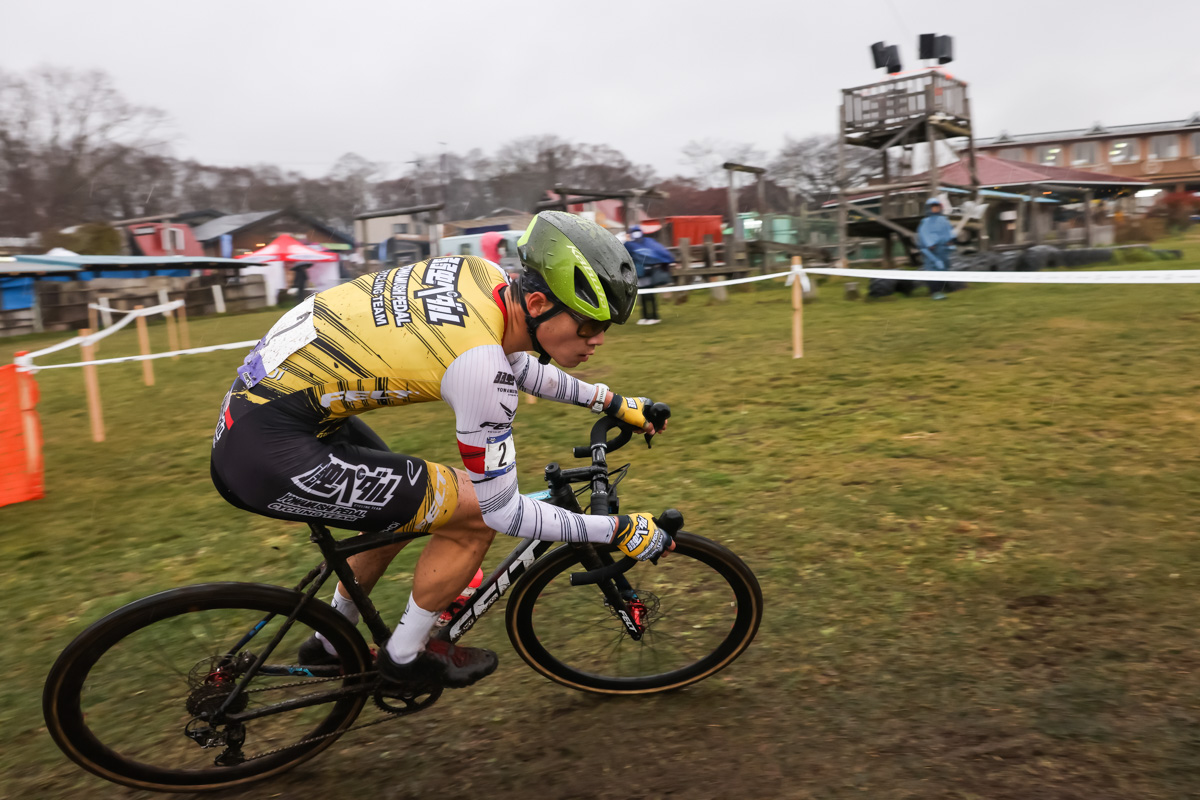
x=285, y=444
x=383, y=339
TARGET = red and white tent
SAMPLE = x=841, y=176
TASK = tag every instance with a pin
x=286, y=248
x=274, y=260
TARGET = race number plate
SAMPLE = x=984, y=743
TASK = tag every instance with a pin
x=500, y=456
x=293, y=330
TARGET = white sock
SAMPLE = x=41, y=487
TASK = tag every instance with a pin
x=410, y=635
x=344, y=606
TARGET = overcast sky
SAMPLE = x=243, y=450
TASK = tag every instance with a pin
x=299, y=82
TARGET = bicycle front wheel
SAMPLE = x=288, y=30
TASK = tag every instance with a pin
x=700, y=606
x=129, y=698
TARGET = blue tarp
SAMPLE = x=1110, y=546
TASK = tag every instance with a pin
x=16, y=293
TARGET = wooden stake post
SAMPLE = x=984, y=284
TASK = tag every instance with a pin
x=797, y=311
x=144, y=344
x=172, y=335
x=91, y=385
x=185, y=338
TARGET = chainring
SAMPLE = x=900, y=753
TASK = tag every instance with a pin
x=412, y=700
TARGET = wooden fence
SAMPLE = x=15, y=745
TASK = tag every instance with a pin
x=63, y=305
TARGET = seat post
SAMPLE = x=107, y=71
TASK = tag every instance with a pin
x=322, y=538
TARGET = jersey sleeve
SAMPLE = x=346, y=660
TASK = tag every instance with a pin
x=550, y=382
x=481, y=388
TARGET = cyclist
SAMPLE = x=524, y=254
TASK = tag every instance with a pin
x=289, y=443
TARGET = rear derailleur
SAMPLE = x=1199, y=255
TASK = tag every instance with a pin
x=232, y=736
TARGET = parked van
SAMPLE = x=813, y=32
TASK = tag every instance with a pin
x=469, y=245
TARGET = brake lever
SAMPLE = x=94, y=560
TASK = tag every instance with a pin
x=670, y=521
x=657, y=415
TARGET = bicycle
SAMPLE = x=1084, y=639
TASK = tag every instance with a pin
x=223, y=715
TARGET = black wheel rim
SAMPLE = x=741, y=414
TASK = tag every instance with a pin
x=703, y=612
x=121, y=701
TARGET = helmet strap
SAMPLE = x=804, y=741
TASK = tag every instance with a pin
x=532, y=323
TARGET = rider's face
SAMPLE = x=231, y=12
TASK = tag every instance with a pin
x=560, y=337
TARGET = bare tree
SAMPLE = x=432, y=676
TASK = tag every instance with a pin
x=73, y=149
x=60, y=130
x=346, y=190
x=18, y=159
x=808, y=167
x=705, y=157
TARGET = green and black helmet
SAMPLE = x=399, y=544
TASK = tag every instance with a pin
x=584, y=266
x=578, y=265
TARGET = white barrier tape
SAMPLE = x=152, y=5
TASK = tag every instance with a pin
x=161, y=308
x=1148, y=276
x=25, y=365
x=129, y=317
x=694, y=286
x=52, y=349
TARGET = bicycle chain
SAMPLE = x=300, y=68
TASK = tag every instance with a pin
x=312, y=739
x=310, y=681
x=322, y=737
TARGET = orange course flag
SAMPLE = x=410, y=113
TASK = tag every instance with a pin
x=21, y=475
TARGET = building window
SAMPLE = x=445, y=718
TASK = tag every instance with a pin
x=1083, y=153
x=400, y=227
x=1050, y=155
x=1195, y=139
x=1123, y=152
x=1164, y=147
x=1013, y=153
x=173, y=241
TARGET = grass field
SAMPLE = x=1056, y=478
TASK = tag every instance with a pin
x=975, y=523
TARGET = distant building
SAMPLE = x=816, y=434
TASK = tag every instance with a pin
x=1164, y=154
x=500, y=219
x=1026, y=203
x=163, y=239
x=398, y=234
x=256, y=229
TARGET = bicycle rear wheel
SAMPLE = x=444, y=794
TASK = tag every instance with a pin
x=701, y=605
x=123, y=699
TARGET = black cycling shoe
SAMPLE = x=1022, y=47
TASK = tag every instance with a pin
x=312, y=653
x=439, y=664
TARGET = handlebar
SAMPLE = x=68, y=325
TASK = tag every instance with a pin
x=670, y=520
x=656, y=414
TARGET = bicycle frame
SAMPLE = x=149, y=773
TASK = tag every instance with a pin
x=497, y=584
x=338, y=552
x=617, y=590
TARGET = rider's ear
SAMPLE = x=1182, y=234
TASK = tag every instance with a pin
x=537, y=303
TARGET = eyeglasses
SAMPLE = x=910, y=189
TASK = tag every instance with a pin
x=588, y=327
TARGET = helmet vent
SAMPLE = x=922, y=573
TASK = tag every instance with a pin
x=583, y=289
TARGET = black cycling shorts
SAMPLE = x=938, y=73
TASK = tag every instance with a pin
x=269, y=462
